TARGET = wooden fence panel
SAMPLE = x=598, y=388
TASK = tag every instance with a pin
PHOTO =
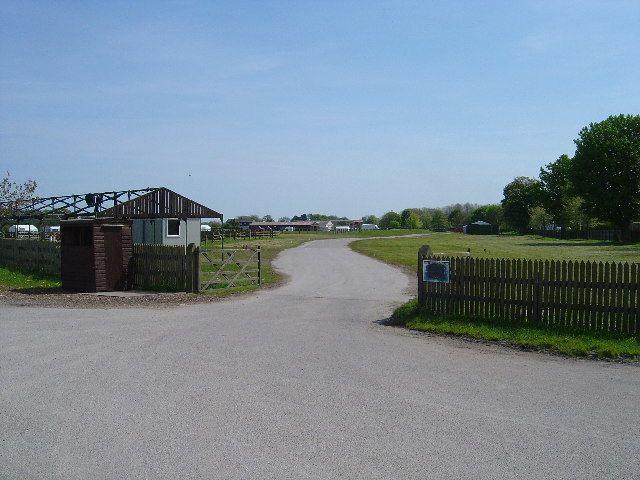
x=32, y=255
x=589, y=296
x=159, y=267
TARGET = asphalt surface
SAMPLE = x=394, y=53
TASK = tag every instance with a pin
x=299, y=382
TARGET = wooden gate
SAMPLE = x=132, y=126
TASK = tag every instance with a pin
x=229, y=267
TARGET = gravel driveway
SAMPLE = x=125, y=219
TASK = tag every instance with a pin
x=299, y=382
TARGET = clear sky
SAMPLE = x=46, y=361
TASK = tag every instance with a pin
x=285, y=108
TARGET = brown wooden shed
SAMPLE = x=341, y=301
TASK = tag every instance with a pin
x=95, y=254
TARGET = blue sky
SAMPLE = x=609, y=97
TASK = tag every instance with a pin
x=283, y=108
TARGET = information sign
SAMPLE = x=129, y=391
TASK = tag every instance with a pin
x=435, y=271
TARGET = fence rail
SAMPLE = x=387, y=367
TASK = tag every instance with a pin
x=229, y=267
x=32, y=255
x=585, y=296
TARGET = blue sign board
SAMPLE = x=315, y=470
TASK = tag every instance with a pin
x=435, y=271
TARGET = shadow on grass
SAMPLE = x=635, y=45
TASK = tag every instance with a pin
x=584, y=243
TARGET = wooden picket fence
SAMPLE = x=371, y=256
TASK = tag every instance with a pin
x=229, y=267
x=579, y=295
x=160, y=267
x=33, y=255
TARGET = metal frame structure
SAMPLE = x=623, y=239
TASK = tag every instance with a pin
x=124, y=204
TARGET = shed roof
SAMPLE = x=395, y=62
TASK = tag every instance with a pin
x=160, y=203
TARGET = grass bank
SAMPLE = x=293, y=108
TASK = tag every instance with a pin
x=538, y=338
x=403, y=251
x=17, y=279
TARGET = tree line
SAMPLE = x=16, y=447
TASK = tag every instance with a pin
x=598, y=187
x=439, y=219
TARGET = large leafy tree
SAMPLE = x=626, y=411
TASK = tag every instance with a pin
x=410, y=219
x=425, y=217
x=487, y=213
x=457, y=218
x=520, y=196
x=14, y=194
x=370, y=219
x=390, y=220
x=439, y=220
x=606, y=169
x=539, y=218
x=555, y=186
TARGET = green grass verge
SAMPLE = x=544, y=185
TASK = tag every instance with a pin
x=568, y=343
x=404, y=251
x=15, y=279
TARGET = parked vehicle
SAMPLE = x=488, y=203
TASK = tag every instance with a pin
x=342, y=228
x=369, y=226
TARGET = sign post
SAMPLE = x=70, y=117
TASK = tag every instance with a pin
x=423, y=252
x=430, y=271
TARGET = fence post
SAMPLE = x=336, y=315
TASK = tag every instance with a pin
x=196, y=270
x=259, y=268
x=189, y=267
x=423, y=252
x=537, y=280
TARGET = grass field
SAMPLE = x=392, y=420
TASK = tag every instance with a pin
x=565, y=342
x=403, y=251
x=11, y=278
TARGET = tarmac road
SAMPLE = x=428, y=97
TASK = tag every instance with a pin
x=299, y=382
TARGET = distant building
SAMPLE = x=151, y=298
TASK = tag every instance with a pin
x=244, y=222
x=298, y=226
x=481, y=228
x=325, y=226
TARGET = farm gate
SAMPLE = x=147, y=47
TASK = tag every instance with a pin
x=229, y=267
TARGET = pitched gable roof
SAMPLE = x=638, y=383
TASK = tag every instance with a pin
x=160, y=203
